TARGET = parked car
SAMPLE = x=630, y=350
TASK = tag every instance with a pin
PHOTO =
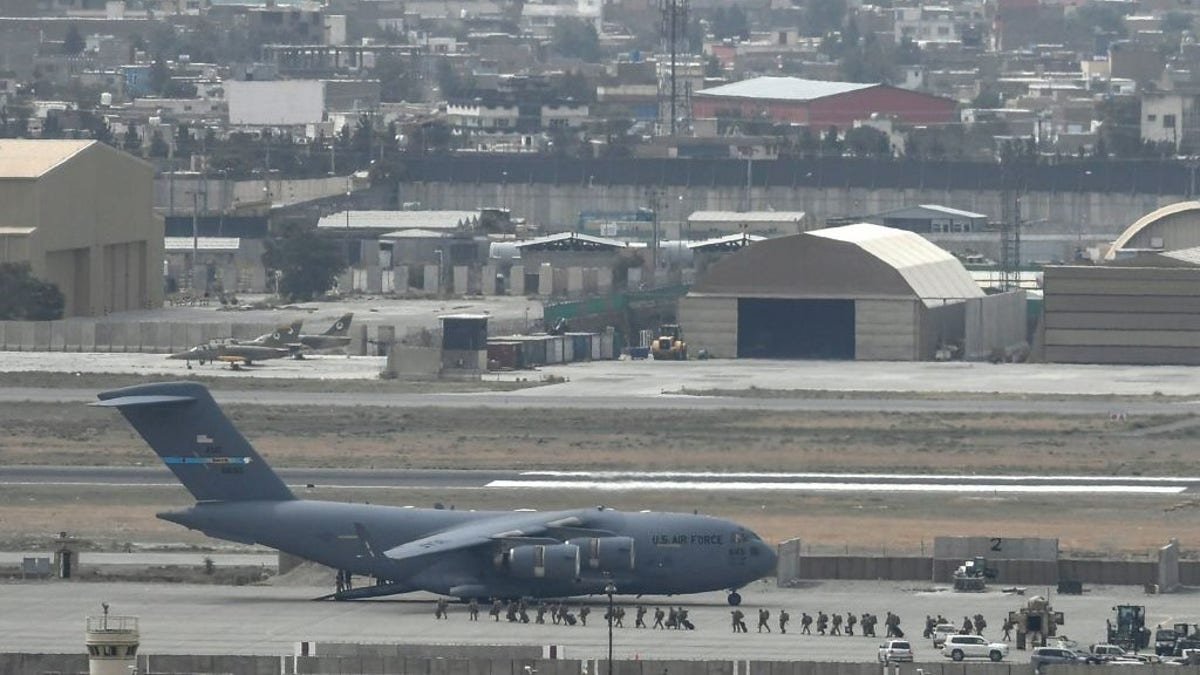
x=959, y=647
x=940, y=632
x=1045, y=656
x=895, y=651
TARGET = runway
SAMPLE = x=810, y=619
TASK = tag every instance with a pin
x=550, y=398
x=584, y=481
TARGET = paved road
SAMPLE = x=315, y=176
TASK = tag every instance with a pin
x=188, y=619
x=552, y=398
x=376, y=479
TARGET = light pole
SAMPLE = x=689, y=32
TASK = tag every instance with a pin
x=609, y=588
x=439, y=279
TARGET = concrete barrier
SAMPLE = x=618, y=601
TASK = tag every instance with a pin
x=58, y=335
x=41, y=335
x=87, y=337
x=73, y=336
x=43, y=663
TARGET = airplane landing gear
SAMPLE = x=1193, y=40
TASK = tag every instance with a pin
x=735, y=598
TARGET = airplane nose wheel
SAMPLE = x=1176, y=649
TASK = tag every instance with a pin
x=735, y=599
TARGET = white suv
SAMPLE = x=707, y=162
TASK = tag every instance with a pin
x=895, y=651
x=959, y=647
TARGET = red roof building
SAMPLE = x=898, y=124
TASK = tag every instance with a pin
x=820, y=104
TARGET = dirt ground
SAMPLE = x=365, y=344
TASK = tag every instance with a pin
x=651, y=440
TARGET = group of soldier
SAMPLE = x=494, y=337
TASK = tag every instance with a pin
x=825, y=624
x=971, y=625
x=560, y=613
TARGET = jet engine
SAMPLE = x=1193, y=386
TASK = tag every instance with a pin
x=606, y=554
x=541, y=561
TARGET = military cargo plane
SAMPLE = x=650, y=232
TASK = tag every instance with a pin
x=464, y=554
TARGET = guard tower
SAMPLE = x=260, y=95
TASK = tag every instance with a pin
x=464, y=345
x=112, y=644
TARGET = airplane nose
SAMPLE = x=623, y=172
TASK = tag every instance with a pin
x=769, y=559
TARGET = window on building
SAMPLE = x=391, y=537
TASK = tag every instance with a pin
x=943, y=30
x=1168, y=121
x=1151, y=118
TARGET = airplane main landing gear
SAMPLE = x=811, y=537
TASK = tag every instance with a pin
x=735, y=598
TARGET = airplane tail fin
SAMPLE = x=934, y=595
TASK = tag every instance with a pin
x=341, y=327
x=187, y=429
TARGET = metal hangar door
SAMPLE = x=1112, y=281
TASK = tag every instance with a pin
x=770, y=328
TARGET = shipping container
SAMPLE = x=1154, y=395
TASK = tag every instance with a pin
x=504, y=356
x=581, y=346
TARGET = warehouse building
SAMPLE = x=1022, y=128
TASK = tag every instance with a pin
x=819, y=104
x=1147, y=312
x=859, y=291
x=1172, y=227
x=82, y=215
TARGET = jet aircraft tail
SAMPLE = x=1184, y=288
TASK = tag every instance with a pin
x=187, y=429
x=341, y=327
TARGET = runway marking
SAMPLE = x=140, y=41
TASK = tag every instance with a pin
x=1007, y=478
x=745, y=486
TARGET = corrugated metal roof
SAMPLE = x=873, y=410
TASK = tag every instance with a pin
x=400, y=220
x=783, y=89
x=28, y=158
x=933, y=273
x=1187, y=255
x=746, y=216
x=742, y=238
x=184, y=244
x=416, y=233
x=567, y=238
x=930, y=210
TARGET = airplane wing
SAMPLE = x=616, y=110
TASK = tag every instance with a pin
x=522, y=528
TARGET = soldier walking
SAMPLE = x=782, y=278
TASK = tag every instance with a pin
x=930, y=624
x=837, y=625
x=967, y=627
x=735, y=618
x=805, y=624
x=764, y=617
x=980, y=624
x=784, y=617
x=441, y=610
x=541, y=613
x=640, y=621
x=473, y=609
x=822, y=623
x=620, y=617
x=522, y=610
x=583, y=614
x=658, y=617
x=868, y=624
x=850, y=621
x=1007, y=627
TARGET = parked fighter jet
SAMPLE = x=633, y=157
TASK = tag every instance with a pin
x=241, y=353
x=465, y=554
x=336, y=337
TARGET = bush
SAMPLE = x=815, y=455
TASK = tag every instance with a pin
x=24, y=297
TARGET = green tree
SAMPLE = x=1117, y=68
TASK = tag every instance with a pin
x=396, y=82
x=576, y=38
x=823, y=17
x=132, y=143
x=158, y=145
x=307, y=262
x=24, y=297
x=868, y=142
x=450, y=82
x=73, y=43
x=730, y=22
x=712, y=66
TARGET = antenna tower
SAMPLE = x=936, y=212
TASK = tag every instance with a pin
x=674, y=95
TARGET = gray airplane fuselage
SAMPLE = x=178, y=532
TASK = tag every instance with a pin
x=673, y=552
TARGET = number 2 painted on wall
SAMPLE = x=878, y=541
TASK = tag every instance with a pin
x=996, y=541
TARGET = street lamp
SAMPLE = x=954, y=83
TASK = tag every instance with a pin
x=439, y=275
x=609, y=588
